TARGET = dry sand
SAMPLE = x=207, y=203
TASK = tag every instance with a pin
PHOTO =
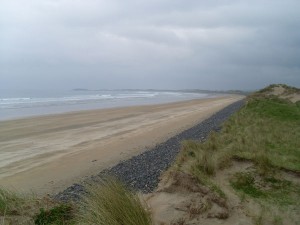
x=282, y=92
x=48, y=153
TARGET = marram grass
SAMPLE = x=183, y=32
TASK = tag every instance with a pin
x=265, y=131
x=112, y=203
x=9, y=202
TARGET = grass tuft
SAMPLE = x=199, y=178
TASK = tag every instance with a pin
x=245, y=182
x=9, y=202
x=207, y=163
x=269, y=189
x=263, y=163
x=58, y=215
x=112, y=203
x=5, y=199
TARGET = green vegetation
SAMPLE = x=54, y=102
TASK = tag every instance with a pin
x=245, y=183
x=9, y=202
x=269, y=189
x=187, y=152
x=112, y=203
x=265, y=137
x=109, y=203
x=29, y=209
x=266, y=131
x=58, y=215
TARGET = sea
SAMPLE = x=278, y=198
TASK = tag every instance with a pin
x=29, y=103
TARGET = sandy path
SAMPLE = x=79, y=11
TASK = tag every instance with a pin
x=46, y=154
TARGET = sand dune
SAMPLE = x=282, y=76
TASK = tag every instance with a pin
x=46, y=154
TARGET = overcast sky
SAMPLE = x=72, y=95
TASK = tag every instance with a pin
x=170, y=44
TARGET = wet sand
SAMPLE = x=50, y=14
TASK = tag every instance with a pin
x=47, y=154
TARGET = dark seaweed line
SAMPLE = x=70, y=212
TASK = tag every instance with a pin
x=142, y=172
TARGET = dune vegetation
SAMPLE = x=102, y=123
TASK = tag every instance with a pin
x=109, y=202
x=253, y=163
x=112, y=203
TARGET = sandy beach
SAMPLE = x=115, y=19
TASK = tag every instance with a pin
x=48, y=153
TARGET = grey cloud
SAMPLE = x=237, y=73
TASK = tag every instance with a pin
x=149, y=44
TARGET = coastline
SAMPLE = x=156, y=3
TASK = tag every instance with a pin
x=38, y=103
x=72, y=146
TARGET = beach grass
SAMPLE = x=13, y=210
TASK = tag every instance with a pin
x=9, y=201
x=270, y=189
x=62, y=214
x=27, y=208
x=264, y=133
x=14, y=203
x=113, y=203
x=109, y=202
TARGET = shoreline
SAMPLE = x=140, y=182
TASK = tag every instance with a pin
x=142, y=172
x=78, y=111
x=49, y=110
x=80, y=144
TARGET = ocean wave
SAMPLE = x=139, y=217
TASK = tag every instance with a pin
x=43, y=103
x=27, y=102
x=13, y=99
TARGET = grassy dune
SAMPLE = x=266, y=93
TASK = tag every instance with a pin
x=258, y=153
x=265, y=131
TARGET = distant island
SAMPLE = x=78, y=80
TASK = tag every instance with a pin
x=80, y=89
x=238, y=92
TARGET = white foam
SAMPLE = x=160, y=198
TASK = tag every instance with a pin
x=75, y=99
x=41, y=104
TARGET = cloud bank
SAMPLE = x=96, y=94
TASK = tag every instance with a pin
x=173, y=44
